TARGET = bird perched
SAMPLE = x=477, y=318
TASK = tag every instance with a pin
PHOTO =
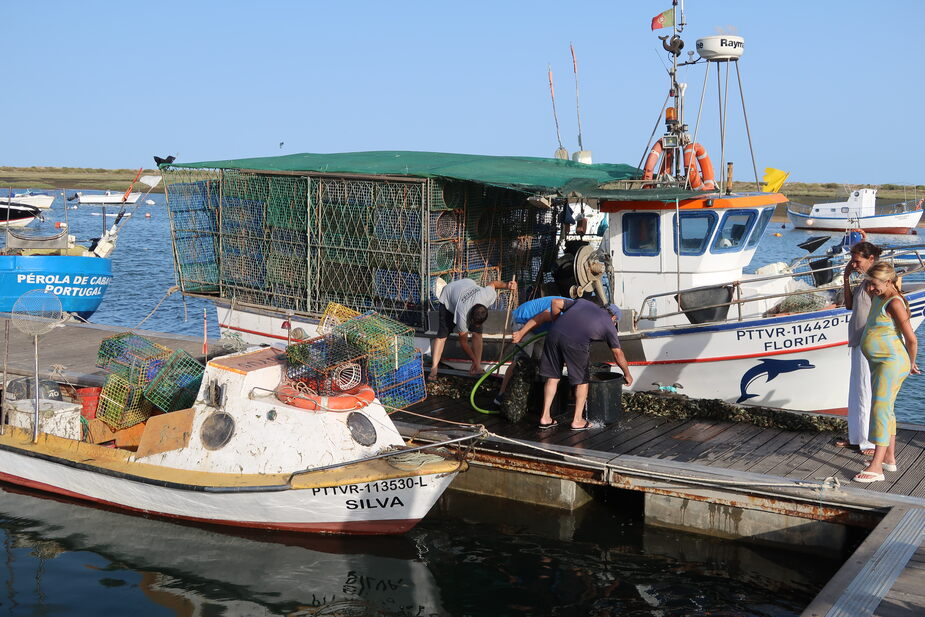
x=167, y=161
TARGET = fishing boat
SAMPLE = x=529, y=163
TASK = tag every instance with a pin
x=859, y=211
x=252, y=451
x=78, y=274
x=272, y=240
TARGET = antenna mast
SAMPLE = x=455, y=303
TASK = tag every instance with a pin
x=561, y=152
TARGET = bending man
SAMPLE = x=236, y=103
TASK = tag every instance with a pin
x=576, y=324
x=464, y=307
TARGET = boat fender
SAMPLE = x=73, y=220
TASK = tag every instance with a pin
x=704, y=179
x=350, y=400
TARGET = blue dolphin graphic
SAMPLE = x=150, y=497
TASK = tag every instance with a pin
x=771, y=368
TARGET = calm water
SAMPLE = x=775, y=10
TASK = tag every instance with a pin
x=470, y=556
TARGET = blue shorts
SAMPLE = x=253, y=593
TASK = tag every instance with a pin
x=559, y=351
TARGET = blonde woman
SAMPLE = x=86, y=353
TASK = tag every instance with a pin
x=889, y=344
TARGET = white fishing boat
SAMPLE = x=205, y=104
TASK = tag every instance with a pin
x=272, y=240
x=859, y=211
x=248, y=453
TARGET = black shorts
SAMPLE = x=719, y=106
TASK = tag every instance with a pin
x=446, y=323
x=558, y=351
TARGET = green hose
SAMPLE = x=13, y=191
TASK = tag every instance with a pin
x=491, y=370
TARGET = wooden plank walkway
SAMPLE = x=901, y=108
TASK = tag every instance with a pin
x=885, y=577
x=712, y=444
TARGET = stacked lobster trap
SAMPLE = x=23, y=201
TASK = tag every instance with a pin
x=354, y=349
x=144, y=378
x=296, y=243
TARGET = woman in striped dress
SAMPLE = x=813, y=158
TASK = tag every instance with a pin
x=889, y=344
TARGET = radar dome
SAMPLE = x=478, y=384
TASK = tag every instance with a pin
x=721, y=47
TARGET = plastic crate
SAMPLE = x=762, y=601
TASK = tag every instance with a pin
x=404, y=394
x=177, y=383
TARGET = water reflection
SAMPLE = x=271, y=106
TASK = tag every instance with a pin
x=471, y=556
x=193, y=571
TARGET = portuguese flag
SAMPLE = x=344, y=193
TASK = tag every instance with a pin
x=663, y=20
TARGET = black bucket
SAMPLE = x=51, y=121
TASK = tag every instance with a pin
x=605, y=397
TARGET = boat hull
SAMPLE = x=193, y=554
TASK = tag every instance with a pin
x=779, y=362
x=385, y=505
x=79, y=282
x=882, y=223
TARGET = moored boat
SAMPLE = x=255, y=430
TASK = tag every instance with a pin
x=78, y=274
x=272, y=240
x=859, y=211
x=42, y=201
x=248, y=453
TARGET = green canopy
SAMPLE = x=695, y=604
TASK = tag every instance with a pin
x=523, y=173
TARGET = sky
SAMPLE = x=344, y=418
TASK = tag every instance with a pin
x=831, y=88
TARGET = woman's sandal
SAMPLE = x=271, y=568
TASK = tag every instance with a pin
x=866, y=477
x=886, y=466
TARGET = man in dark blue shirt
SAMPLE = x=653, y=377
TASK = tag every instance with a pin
x=576, y=323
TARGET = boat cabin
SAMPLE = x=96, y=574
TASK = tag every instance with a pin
x=662, y=246
x=861, y=202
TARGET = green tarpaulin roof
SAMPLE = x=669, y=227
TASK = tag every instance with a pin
x=530, y=174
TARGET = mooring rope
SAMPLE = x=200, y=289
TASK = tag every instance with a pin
x=156, y=306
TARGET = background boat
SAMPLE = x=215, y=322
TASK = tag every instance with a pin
x=859, y=211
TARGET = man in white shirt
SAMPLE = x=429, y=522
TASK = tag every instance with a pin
x=464, y=307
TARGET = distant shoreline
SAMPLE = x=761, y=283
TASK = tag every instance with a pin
x=85, y=178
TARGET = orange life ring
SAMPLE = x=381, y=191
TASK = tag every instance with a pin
x=648, y=170
x=704, y=178
x=350, y=400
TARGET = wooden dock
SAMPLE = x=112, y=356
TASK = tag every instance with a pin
x=727, y=468
x=795, y=474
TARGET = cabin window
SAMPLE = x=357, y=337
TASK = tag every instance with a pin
x=640, y=234
x=695, y=231
x=733, y=231
x=758, y=231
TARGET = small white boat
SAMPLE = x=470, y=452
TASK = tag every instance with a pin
x=35, y=200
x=244, y=456
x=859, y=211
x=109, y=198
